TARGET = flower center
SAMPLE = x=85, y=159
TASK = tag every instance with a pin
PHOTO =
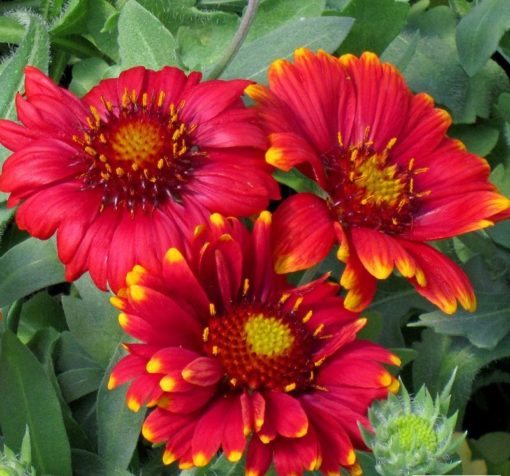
x=261, y=347
x=267, y=336
x=413, y=432
x=140, y=154
x=368, y=190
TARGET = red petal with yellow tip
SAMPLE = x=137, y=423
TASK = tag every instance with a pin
x=383, y=157
x=286, y=413
x=208, y=433
x=303, y=233
x=445, y=282
x=203, y=371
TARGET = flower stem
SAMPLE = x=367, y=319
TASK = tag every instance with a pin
x=237, y=41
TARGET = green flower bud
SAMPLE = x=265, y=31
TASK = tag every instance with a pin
x=13, y=465
x=413, y=435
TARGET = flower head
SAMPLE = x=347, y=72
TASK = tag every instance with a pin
x=229, y=350
x=122, y=172
x=392, y=176
x=413, y=435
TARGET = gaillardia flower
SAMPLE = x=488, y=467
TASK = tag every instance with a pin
x=120, y=173
x=392, y=176
x=228, y=350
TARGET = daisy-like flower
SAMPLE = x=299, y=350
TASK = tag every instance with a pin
x=392, y=177
x=228, y=350
x=120, y=173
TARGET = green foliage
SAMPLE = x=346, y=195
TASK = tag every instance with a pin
x=59, y=341
x=254, y=58
x=480, y=31
x=92, y=310
x=144, y=40
x=28, y=267
x=118, y=428
x=439, y=354
x=376, y=24
x=24, y=386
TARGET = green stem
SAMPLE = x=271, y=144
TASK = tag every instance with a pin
x=237, y=41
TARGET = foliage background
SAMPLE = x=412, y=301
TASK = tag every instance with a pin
x=58, y=341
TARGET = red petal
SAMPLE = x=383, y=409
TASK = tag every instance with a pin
x=209, y=431
x=234, y=439
x=203, y=371
x=259, y=457
x=442, y=282
x=145, y=389
x=126, y=369
x=457, y=215
x=16, y=137
x=209, y=99
x=303, y=232
x=379, y=253
x=287, y=414
x=360, y=284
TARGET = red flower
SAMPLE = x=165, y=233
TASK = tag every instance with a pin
x=228, y=350
x=392, y=176
x=122, y=172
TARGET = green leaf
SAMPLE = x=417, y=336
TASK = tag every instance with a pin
x=434, y=68
x=11, y=31
x=396, y=301
x=143, y=39
x=438, y=355
x=28, y=267
x=494, y=447
x=33, y=50
x=39, y=312
x=76, y=383
x=376, y=25
x=86, y=463
x=253, y=59
x=118, y=428
x=484, y=328
x=272, y=14
x=201, y=46
x=479, y=139
x=93, y=321
x=182, y=13
x=100, y=12
x=25, y=387
x=299, y=182
x=87, y=74
x=480, y=31
x=72, y=21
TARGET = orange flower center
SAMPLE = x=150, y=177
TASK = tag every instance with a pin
x=140, y=154
x=261, y=348
x=368, y=190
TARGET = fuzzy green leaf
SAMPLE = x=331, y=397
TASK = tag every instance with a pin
x=439, y=354
x=480, y=31
x=86, y=463
x=484, y=328
x=73, y=20
x=28, y=267
x=25, y=387
x=254, y=58
x=143, y=39
x=33, y=50
x=272, y=14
